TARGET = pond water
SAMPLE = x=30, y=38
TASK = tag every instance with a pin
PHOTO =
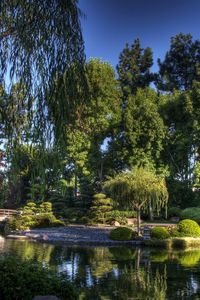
x=118, y=272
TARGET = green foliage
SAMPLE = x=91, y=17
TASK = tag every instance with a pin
x=33, y=217
x=134, y=67
x=197, y=175
x=192, y=213
x=138, y=189
x=24, y=280
x=29, y=209
x=120, y=216
x=57, y=223
x=160, y=233
x=31, y=56
x=144, y=129
x=188, y=228
x=174, y=212
x=100, y=207
x=180, y=66
x=43, y=220
x=45, y=207
x=121, y=234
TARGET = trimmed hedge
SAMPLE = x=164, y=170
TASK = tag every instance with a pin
x=188, y=228
x=160, y=233
x=192, y=213
x=121, y=234
x=24, y=280
x=174, y=212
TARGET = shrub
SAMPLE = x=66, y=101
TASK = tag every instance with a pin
x=45, y=207
x=119, y=216
x=188, y=228
x=28, y=222
x=192, y=213
x=29, y=209
x=57, y=223
x=24, y=280
x=100, y=207
x=44, y=220
x=160, y=233
x=121, y=234
x=174, y=212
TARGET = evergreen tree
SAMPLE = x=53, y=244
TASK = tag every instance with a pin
x=180, y=66
x=134, y=68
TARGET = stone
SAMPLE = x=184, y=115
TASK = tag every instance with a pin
x=117, y=224
x=132, y=221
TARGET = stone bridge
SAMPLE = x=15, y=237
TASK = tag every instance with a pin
x=7, y=213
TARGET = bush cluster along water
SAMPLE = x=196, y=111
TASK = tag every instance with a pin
x=118, y=272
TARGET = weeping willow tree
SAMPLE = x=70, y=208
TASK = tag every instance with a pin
x=136, y=189
x=42, y=48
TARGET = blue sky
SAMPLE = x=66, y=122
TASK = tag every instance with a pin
x=109, y=24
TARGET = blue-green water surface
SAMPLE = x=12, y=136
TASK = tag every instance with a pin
x=118, y=272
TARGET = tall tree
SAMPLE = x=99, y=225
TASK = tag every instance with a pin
x=134, y=67
x=99, y=117
x=140, y=140
x=181, y=64
x=41, y=46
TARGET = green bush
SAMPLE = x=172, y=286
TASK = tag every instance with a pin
x=57, y=223
x=174, y=212
x=29, y=209
x=188, y=228
x=100, y=207
x=119, y=216
x=121, y=234
x=160, y=233
x=24, y=280
x=45, y=207
x=44, y=220
x=192, y=213
x=29, y=222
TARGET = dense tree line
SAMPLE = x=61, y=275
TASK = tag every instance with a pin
x=126, y=118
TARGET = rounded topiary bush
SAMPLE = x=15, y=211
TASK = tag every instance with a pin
x=160, y=233
x=192, y=213
x=188, y=228
x=121, y=234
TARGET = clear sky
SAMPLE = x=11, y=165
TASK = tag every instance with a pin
x=109, y=24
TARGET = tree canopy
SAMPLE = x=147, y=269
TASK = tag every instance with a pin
x=137, y=189
x=41, y=46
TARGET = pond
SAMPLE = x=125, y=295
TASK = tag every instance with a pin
x=118, y=272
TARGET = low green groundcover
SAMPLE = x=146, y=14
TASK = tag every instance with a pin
x=121, y=234
x=24, y=280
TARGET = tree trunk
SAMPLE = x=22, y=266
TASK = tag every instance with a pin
x=166, y=212
x=75, y=186
x=138, y=221
x=151, y=217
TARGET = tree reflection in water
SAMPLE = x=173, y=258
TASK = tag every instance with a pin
x=119, y=272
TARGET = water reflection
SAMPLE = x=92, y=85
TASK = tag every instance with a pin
x=118, y=272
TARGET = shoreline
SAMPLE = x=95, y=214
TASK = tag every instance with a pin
x=73, y=235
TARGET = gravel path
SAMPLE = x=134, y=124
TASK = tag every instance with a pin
x=85, y=235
